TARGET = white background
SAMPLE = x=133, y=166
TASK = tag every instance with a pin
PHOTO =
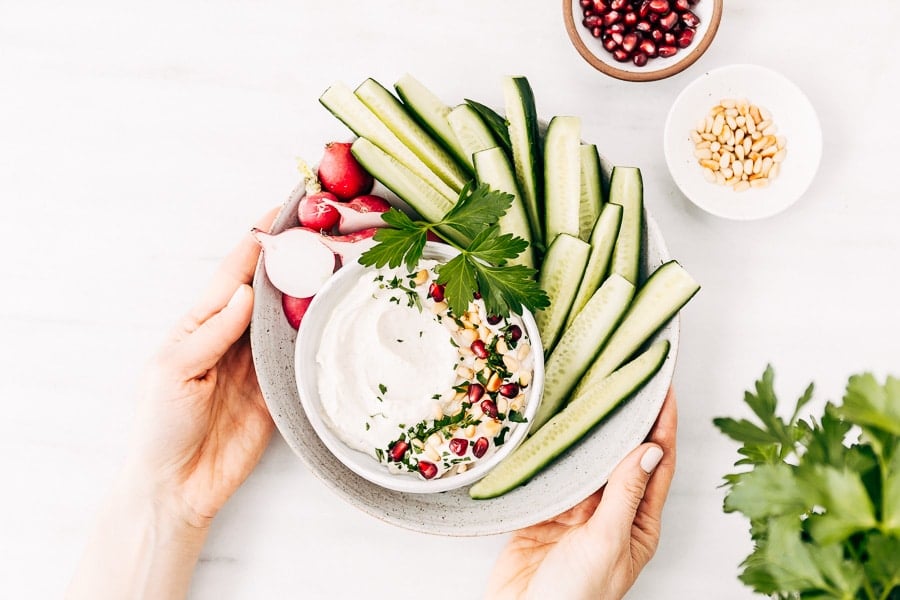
x=139, y=141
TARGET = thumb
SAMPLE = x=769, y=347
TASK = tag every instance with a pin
x=202, y=349
x=624, y=491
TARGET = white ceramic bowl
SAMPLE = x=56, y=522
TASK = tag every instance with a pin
x=364, y=465
x=791, y=111
x=592, y=50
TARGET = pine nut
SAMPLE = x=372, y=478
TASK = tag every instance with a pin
x=462, y=468
x=421, y=277
x=523, y=351
x=510, y=363
x=525, y=378
x=502, y=348
x=439, y=307
x=735, y=145
x=469, y=431
x=494, y=383
x=467, y=336
x=491, y=427
x=465, y=372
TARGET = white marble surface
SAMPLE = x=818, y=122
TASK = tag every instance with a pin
x=138, y=141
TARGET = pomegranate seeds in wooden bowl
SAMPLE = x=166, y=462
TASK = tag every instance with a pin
x=641, y=40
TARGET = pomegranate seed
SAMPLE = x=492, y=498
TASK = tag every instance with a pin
x=480, y=447
x=630, y=19
x=514, y=332
x=657, y=35
x=398, y=450
x=510, y=390
x=610, y=44
x=592, y=21
x=668, y=21
x=489, y=407
x=640, y=59
x=494, y=319
x=595, y=32
x=436, y=292
x=653, y=17
x=587, y=3
x=476, y=295
x=629, y=42
x=644, y=26
x=618, y=4
x=611, y=17
x=685, y=38
x=644, y=9
x=475, y=392
x=427, y=469
x=681, y=5
x=600, y=6
x=615, y=28
x=667, y=51
x=617, y=38
x=458, y=446
x=659, y=6
x=479, y=349
x=669, y=39
x=620, y=55
x=587, y=13
x=690, y=19
x=648, y=47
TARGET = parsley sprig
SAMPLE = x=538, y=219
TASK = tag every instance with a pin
x=481, y=266
x=822, y=495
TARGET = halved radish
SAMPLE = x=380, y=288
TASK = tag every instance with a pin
x=363, y=212
x=294, y=309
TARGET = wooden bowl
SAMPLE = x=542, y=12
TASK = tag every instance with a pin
x=590, y=48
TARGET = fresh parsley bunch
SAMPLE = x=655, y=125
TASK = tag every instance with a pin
x=481, y=266
x=822, y=496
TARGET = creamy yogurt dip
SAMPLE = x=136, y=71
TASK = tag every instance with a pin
x=422, y=390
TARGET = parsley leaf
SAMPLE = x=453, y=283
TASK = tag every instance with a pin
x=481, y=265
x=823, y=502
x=477, y=209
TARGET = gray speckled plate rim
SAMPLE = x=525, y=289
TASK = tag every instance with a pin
x=575, y=475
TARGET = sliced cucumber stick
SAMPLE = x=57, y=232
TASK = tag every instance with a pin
x=525, y=139
x=408, y=186
x=562, y=177
x=591, y=191
x=391, y=112
x=665, y=292
x=492, y=167
x=495, y=123
x=627, y=190
x=560, y=276
x=431, y=113
x=603, y=238
x=472, y=132
x=343, y=103
x=581, y=343
x=569, y=426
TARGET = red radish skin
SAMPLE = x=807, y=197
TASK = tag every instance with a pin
x=341, y=174
x=363, y=212
x=294, y=309
x=316, y=211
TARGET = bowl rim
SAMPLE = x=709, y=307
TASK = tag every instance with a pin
x=364, y=465
x=640, y=76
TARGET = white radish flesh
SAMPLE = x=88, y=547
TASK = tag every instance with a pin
x=297, y=261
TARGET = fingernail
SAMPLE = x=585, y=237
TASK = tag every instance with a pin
x=651, y=459
x=238, y=294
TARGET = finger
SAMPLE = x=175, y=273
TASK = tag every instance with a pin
x=237, y=268
x=202, y=349
x=624, y=492
x=663, y=433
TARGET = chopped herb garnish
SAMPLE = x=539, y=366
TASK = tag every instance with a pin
x=382, y=388
x=368, y=426
x=516, y=417
x=500, y=439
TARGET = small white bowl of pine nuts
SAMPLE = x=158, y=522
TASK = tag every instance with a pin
x=743, y=142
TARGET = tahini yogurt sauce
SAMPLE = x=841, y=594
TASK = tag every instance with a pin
x=403, y=379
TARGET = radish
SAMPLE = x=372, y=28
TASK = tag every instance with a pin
x=341, y=174
x=360, y=213
x=314, y=210
x=299, y=260
x=294, y=309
